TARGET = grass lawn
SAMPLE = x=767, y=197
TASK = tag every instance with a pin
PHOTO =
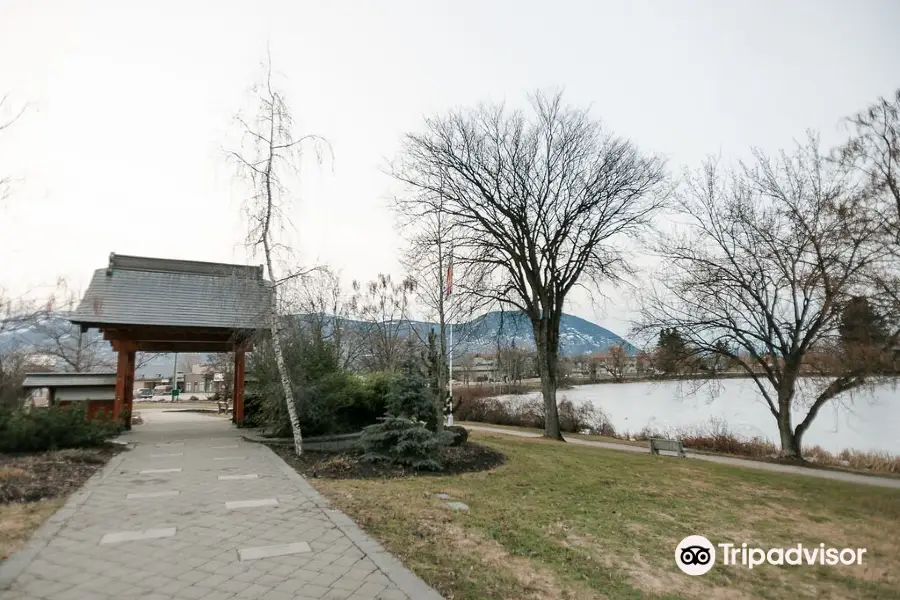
x=564, y=521
x=577, y=436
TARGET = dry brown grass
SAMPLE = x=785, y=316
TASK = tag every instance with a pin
x=34, y=485
x=17, y=521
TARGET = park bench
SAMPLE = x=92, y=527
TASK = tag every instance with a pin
x=223, y=407
x=668, y=445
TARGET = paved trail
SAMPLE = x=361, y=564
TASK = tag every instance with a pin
x=195, y=513
x=725, y=460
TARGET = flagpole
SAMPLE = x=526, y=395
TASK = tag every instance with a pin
x=450, y=350
x=450, y=346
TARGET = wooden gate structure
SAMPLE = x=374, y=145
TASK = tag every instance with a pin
x=162, y=305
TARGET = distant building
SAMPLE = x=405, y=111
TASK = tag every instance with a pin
x=474, y=368
x=204, y=379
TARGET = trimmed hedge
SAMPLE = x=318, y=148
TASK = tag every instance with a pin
x=53, y=428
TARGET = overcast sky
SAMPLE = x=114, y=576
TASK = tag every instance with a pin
x=131, y=104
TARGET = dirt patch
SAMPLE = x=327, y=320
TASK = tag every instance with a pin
x=41, y=476
x=468, y=458
x=536, y=582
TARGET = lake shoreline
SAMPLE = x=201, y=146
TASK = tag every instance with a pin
x=863, y=422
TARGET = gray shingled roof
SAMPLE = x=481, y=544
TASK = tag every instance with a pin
x=152, y=291
x=42, y=380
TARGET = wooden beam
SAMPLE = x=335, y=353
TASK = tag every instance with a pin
x=187, y=346
x=156, y=335
x=123, y=346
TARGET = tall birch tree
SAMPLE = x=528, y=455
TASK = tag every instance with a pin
x=269, y=154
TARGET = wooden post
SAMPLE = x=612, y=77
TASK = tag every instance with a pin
x=238, y=408
x=129, y=387
x=121, y=385
x=124, y=383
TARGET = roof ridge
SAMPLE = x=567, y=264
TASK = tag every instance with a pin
x=125, y=262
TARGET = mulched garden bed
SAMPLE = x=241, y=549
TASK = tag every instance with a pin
x=32, y=477
x=468, y=458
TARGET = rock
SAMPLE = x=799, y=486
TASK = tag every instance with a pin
x=443, y=496
x=458, y=506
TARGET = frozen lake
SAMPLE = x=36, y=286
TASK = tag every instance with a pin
x=864, y=421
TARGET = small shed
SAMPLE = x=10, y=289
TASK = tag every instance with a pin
x=96, y=390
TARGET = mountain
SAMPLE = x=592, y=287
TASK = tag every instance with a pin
x=478, y=336
x=31, y=337
x=577, y=336
x=483, y=334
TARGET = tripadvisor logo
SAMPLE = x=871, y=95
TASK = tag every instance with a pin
x=696, y=555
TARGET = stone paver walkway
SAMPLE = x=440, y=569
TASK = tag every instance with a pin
x=725, y=460
x=195, y=513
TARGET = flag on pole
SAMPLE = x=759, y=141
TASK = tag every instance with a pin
x=449, y=288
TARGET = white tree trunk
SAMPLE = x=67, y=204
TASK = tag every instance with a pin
x=279, y=360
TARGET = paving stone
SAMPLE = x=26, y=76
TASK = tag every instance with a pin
x=245, y=554
x=254, y=592
x=151, y=495
x=157, y=545
x=193, y=593
x=234, y=505
x=219, y=595
x=392, y=594
x=132, y=536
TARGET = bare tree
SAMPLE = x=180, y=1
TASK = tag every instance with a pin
x=616, y=363
x=513, y=363
x=16, y=314
x=72, y=349
x=428, y=258
x=269, y=153
x=6, y=120
x=769, y=257
x=539, y=206
x=874, y=151
x=222, y=363
x=383, y=307
x=326, y=311
x=467, y=368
